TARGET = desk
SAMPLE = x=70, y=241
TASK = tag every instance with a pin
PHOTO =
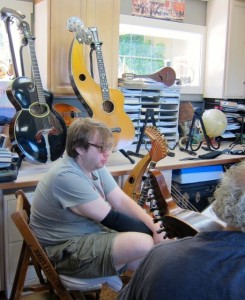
x=30, y=174
x=118, y=165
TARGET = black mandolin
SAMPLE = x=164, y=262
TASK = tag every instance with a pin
x=36, y=129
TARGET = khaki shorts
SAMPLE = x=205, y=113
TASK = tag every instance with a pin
x=87, y=256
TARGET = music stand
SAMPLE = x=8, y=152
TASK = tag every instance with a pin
x=148, y=114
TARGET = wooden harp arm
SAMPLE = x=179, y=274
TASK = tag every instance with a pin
x=160, y=186
x=132, y=186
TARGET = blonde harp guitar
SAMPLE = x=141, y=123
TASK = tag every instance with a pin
x=101, y=103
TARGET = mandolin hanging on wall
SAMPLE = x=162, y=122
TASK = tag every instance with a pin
x=69, y=112
x=166, y=75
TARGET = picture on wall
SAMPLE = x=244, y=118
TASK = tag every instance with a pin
x=161, y=9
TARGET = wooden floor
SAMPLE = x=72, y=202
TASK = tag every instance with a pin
x=106, y=294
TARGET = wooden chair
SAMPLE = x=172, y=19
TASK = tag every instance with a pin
x=64, y=287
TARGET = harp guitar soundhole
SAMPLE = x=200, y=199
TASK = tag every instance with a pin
x=108, y=106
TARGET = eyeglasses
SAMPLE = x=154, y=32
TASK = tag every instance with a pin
x=101, y=148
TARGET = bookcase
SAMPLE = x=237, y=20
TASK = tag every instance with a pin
x=154, y=106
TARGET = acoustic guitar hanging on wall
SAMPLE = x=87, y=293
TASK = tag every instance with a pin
x=36, y=129
x=102, y=103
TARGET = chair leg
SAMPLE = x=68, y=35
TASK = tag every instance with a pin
x=77, y=295
x=25, y=260
x=38, y=270
x=21, y=271
x=97, y=295
x=96, y=292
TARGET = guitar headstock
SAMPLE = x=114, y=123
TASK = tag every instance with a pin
x=74, y=24
x=82, y=34
x=95, y=36
x=11, y=13
x=25, y=29
x=159, y=147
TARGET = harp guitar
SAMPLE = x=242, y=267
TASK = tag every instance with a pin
x=101, y=103
x=176, y=221
x=158, y=151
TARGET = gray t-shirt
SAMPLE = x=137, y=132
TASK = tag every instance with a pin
x=66, y=185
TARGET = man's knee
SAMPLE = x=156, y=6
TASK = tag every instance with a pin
x=142, y=242
x=129, y=248
x=134, y=244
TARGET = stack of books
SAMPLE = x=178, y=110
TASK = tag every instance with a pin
x=7, y=158
x=8, y=165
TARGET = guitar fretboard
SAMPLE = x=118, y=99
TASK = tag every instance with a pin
x=36, y=73
x=35, y=69
x=102, y=74
x=101, y=66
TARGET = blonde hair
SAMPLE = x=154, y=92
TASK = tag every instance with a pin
x=229, y=203
x=81, y=132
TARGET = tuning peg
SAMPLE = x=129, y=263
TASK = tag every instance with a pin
x=153, y=205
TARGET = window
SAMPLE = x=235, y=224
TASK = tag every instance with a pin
x=6, y=58
x=7, y=111
x=5, y=61
x=141, y=54
x=148, y=45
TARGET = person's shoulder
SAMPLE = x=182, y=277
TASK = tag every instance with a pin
x=103, y=171
x=67, y=162
x=170, y=245
x=64, y=166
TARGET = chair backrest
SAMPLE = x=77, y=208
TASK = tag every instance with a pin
x=32, y=249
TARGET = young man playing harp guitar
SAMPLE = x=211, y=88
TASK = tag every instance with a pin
x=210, y=265
x=88, y=226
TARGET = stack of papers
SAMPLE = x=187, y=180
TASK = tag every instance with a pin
x=228, y=134
x=5, y=157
